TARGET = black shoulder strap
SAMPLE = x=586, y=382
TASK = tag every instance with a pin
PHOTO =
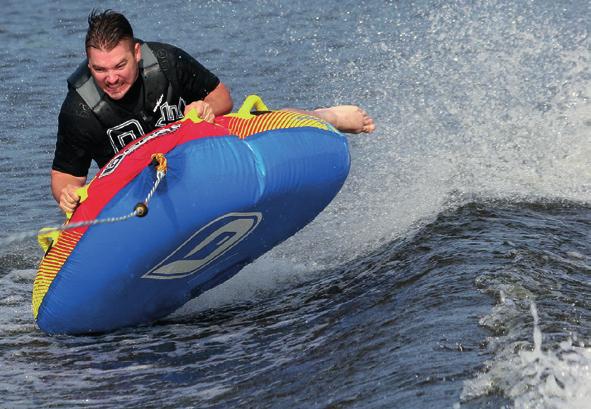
x=84, y=84
x=155, y=80
x=149, y=62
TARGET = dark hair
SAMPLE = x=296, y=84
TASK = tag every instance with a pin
x=106, y=29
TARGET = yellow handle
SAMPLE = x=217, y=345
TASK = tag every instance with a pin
x=46, y=237
x=192, y=115
x=82, y=192
x=252, y=101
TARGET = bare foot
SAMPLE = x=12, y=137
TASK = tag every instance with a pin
x=347, y=118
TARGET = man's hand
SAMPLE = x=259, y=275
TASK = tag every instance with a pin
x=203, y=109
x=63, y=188
x=217, y=102
x=69, y=199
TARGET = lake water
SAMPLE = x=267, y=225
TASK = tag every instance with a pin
x=452, y=271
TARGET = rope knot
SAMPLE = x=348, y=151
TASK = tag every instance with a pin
x=159, y=161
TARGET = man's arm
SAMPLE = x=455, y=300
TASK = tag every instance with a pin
x=63, y=188
x=217, y=102
x=220, y=100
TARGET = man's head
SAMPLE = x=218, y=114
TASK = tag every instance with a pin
x=113, y=55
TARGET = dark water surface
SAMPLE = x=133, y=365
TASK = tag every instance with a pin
x=452, y=271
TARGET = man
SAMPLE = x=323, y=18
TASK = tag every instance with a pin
x=127, y=88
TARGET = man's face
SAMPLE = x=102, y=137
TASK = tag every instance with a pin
x=116, y=70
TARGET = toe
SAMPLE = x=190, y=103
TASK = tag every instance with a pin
x=368, y=124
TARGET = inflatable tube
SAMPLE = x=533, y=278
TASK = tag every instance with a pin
x=232, y=190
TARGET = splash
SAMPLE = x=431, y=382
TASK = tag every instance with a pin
x=557, y=378
x=481, y=99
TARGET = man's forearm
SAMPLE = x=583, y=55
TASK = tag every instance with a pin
x=220, y=100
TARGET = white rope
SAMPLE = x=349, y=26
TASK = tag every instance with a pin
x=159, y=176
x=136, y=212
x=140, y=210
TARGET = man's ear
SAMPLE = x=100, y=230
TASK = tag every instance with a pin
x=137, y=50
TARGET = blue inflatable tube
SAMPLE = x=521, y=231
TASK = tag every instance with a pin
x=230, y=194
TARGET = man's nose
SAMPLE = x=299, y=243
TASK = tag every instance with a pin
x=111, y=77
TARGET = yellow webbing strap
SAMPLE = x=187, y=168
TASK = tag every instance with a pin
x=251, y=102
x=82, y=192
x=48, y=236
x=193, y=116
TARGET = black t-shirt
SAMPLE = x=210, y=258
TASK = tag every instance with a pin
x=81, y=137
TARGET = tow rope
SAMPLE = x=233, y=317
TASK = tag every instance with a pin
x=48, y=235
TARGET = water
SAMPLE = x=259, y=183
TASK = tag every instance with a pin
x=453, y=269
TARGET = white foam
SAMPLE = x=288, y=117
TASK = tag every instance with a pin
x=534, y=377
x=255, y=280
